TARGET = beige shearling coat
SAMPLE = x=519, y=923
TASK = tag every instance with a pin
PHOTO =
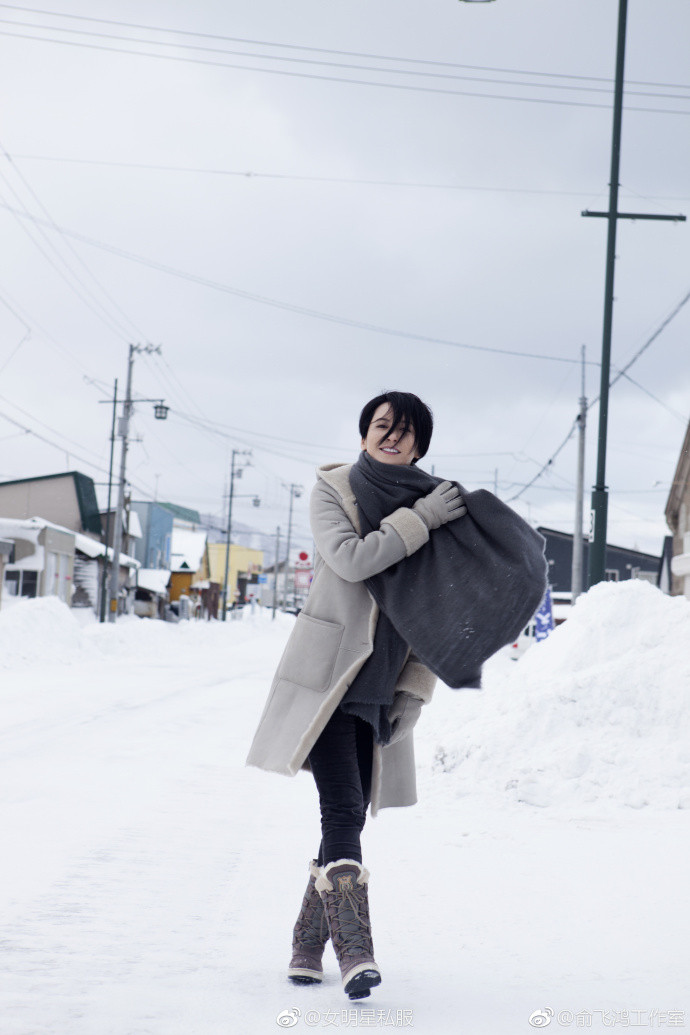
x=334, y=635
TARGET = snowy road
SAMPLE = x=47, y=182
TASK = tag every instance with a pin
x=150, y=882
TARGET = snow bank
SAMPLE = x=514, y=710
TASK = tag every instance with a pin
x=44, y=631
x=40, y=631
x=599, y=712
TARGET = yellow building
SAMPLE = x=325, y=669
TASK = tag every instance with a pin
x=245, y=566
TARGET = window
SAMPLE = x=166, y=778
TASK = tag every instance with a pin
x=21, y=583
x=612, y=574
x=12, y=579
x=29, y=583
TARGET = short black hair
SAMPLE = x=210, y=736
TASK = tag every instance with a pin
x=407, y=409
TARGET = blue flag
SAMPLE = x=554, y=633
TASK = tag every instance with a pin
x=543, y=619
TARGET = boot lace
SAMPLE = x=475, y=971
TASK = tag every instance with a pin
x=311, y=928
x=350, y=910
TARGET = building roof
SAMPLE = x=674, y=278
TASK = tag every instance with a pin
x=183, y=513
x=86, y=497
x=609, y=546
x=187, y=549
x=154, y=579
x=83, y=543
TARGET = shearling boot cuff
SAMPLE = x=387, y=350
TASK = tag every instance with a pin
x=323, y=882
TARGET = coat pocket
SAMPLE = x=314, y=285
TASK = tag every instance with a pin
x=311, y=654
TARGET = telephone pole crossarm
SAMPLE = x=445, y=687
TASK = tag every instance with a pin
x=635, y=215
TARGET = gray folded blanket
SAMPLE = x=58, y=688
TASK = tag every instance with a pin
x=468, y=591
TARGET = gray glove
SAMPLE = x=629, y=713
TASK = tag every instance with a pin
x=403, y=715
x=442, y=505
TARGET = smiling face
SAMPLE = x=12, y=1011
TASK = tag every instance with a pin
x=389, y=445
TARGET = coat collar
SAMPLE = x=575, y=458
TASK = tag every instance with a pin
x=338, y=477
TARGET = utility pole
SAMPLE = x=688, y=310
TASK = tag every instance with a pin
x=106, y=570
x=295, y=491
x=233, y=475
x=275, y=574
x=576, y=579
x=597, y=547
x=123, y=432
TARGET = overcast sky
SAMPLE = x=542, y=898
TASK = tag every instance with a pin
x=294, y=240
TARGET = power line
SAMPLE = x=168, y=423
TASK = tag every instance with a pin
x=71, y=278
x=619, y=374
x=24, y=213
x=546, y=466
x=35, y=325
x=65, y=449
x=336, y=79
x=302, y=310
x=646, y=391
x=338, y=64
x=15, y=350
x=56, y=445
x=674, y=312
x=49, y=428
x=73, y=250
x=252, y=175
x=340, y=53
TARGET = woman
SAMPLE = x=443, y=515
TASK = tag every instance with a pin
x=348, y=692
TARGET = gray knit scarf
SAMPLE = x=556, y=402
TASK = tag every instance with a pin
x=464, y=594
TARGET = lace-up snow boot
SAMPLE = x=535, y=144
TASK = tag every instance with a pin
x=309, y=936
x=343, y=887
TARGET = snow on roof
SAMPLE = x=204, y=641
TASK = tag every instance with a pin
x=24, y=528
x=154, y=579
x=30, y=528
x=92, y=548
x=134, y=528
x=187, y=549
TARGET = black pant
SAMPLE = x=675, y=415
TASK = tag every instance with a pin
x=341, y=761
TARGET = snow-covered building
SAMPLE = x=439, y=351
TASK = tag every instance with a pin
x=187, y=558
x=42, y=561
x=151, y=593
x=50, y=560
x=678, y=520
x=67, y=500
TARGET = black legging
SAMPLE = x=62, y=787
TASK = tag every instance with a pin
x=341, y=762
